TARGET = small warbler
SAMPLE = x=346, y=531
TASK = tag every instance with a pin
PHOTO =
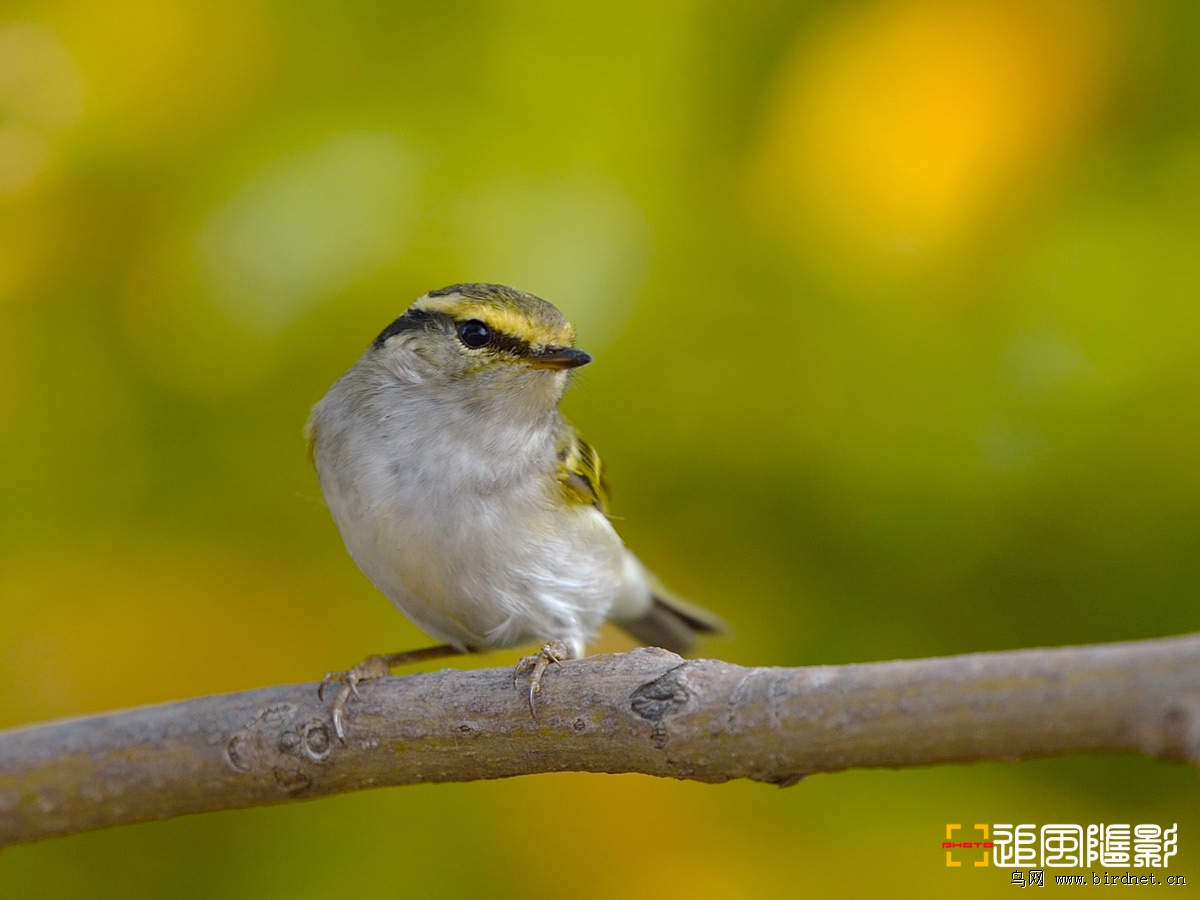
x=469, y=501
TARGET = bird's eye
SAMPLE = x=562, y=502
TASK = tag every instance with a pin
x=474, y=334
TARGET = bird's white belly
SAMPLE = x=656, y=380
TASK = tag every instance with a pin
x=495, y=573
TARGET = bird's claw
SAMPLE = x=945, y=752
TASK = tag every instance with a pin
x=551, y=653
x=369, y=668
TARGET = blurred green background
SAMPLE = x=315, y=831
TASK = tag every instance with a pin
x=895, y=314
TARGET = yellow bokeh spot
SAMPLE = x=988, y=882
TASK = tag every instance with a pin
x=153, y=65
x=899, y=129
x=40, y=101
x=33, y=233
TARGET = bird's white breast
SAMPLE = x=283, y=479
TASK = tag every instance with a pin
x=460, y=522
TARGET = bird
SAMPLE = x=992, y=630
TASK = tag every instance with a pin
x=470, y=502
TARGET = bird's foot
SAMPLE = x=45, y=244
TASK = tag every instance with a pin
x=552, y=653
x=370, y=668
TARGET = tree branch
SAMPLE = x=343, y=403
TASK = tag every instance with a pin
x=647, y=711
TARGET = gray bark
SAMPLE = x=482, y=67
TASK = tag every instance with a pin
x=647, y=711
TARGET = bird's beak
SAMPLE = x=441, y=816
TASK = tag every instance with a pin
x=557, y=358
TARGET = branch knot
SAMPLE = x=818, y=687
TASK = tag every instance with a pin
x=656, y=700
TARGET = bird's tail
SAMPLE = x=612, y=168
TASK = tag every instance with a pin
x=671, y=622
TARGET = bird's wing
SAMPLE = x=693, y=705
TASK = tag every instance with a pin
x=580, y=471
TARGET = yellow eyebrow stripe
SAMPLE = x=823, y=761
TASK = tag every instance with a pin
x=508, y=319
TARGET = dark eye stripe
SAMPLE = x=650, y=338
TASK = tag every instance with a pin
x=412, y=320
x=420, y=319
x=509, y=344
x=477, y=335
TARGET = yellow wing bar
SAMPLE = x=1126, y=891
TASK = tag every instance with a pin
x=581, y=472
